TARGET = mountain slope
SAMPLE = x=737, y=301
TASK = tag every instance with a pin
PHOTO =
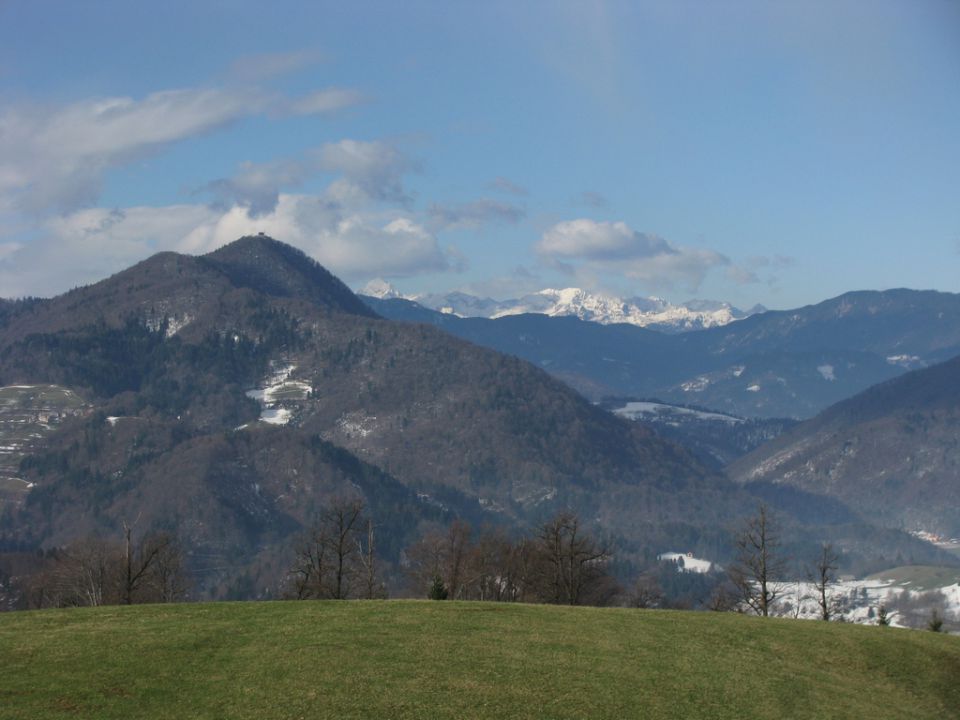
x=892, y=451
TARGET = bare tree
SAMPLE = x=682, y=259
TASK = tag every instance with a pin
x=646, y=592
x=573, y=563
x=759, y=564
x=366, y=552
x=140, y=563
x=326, y=561
x=343, y=517
x=86, y=574
x=165, y=579
x=822, y=577
x=309, y=573
x=457, y=555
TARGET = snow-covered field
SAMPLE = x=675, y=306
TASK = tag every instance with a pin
x=649, y=410
x=276, y=393
x=687, y=562
x=859, y=601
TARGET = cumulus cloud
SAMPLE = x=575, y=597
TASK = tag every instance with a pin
x=256, y=186
x=590, y=249
x=56, y=158
x=371, y=172
x=593, y=240
x=475, y=214
x=87, y=245
x=370, y=169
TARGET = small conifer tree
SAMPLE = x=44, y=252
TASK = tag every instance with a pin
x=438, y=591
x=883, y=620
x=935, y=624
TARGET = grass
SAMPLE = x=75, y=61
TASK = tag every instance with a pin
x=408, y=659
x=920, y=577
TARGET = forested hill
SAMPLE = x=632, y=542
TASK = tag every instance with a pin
x=892, y=450
x=220, y=386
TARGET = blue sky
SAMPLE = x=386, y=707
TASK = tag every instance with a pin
x=771, y=152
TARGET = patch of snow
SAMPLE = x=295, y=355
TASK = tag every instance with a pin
x=753, y=388
x=858, y=601
x=277, y=389
x=648, y=410
x=826, y=372
x=275, y=415
x=909, y=362
x=697, y=385
x=690, y=563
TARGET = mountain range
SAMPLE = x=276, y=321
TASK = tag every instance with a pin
x=652, y=312
x=791, y=363
x=228, y=397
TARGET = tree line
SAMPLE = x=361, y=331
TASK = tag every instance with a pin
x=109, y=571
x=561, y=562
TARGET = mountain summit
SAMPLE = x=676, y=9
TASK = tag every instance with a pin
x=261, y=263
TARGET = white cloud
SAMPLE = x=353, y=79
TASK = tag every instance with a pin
x=593, y=240
x=371, y=172
x=370, y=169
x=56, y=158
x=324, y=101
x=589, y=250
x=88, y=245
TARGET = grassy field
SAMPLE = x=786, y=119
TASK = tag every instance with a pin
x=407, y=659
x=920, y=577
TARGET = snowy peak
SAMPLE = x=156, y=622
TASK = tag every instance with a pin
x=379, y=288
x=652, y=312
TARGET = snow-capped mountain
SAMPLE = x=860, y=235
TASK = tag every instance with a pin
x=604, y=309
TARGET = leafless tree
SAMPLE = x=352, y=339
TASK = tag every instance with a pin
x=366, y=552
x=759, y=564
x=309, y=573
x=327, y=559
x=646, y=593
x=457, y=556
x=573, y=563
x=165, y=580
x=141, y=565
x=86, y=574
x=822, y=577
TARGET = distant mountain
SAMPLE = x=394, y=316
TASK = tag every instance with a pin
x=790, y=363
x=653, y=312
x=228, y=396
x=892, y=452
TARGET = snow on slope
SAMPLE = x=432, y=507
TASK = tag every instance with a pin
x=637, y=410
x=278, y=390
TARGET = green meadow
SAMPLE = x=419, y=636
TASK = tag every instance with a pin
x=421, y=659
